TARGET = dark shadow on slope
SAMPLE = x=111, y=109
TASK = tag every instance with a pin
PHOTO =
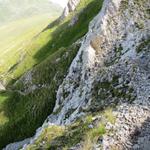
x=52, y=24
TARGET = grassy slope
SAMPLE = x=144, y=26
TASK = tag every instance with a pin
x=14, y=39
x=23, y=20
x=58, y=137
x=24, y=113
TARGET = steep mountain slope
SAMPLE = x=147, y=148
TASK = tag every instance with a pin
x=104, y=100
x=108, y=84
x=16, y=42
x=26, y=103
x=18, y=32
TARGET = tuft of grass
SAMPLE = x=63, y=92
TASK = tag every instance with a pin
x=46, y=136
x=108, y=113
x=98, y=131
x=61, y=137
x=54, y=137
x=92, y=136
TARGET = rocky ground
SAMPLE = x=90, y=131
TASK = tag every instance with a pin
x=113, y=64
x=131, y=130
x=2, y=87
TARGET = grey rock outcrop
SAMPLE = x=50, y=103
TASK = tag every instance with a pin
x=109, y=54
x=2, y=88
x=71, y=6
x=18, y=145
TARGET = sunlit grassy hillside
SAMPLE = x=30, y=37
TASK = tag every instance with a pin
x=20, y=22
x=14, y=40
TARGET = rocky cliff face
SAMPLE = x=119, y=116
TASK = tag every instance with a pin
x=2, y=88
x=71, y=6
x=111, y=68
x=115, y=52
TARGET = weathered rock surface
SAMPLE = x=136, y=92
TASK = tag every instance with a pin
x=2, y=88
x=131, y=130
x=112, y=67
x=109, y=56
x=71, y=6
x=18, y=145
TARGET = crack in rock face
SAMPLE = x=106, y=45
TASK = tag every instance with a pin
x=111, y=67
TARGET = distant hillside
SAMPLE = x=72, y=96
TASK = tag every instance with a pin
x=20, y=21
x=16, y=9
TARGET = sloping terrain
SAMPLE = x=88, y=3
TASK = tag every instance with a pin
x=16, y=38
x=11, y=10
x=27, y=101
x=103, y=102
x=18, y=32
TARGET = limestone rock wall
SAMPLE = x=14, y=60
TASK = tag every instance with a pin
x=110, y=50
x=71, y=6
x=2, y=88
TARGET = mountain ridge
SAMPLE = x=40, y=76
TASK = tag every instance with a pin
x=90, y=57
x=103, y=101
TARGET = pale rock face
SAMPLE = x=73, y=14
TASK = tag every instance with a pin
x=113, y=28
x=2, y=88
x=18, y=145
x=114, y=51
x=110, y=49
x=71, y=6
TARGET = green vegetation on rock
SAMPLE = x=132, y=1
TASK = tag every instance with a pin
x=85, y=131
